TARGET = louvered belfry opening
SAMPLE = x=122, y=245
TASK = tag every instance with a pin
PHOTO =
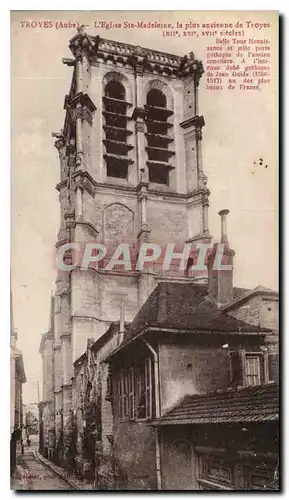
x=158, y=138
x=116, y=130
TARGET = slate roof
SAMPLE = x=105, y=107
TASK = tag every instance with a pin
x=249, y=404
x=184, y=306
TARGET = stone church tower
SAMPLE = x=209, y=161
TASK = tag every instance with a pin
x=130, y=170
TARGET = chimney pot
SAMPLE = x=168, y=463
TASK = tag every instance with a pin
x=223, y=214
x=220, y=281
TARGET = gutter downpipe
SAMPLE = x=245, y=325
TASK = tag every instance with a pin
x=158, y=413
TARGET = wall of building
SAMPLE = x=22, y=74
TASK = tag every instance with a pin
x=191, y=369
x=231, y=457
x=47, y=421
x=168, y=220
x=47, y=370
x=258, y=311
x=12, y=384
x=176, y=458
x=134, y=453
x=263, y=311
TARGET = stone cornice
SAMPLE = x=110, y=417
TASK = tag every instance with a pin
x=202, y=236
x=119, y=189
x=139, y=113
x=61, y=185
x=82, y=44
x=66, y=335
x=83, y=180
x=141, y=59
x=88, y=224
x=83, y=100
x=195, y=121
x=80, y=106
x=60, y=140
x=66, y=386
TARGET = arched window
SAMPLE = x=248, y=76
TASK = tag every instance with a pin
x=116, y=131
x=158, y=137
x=156, y=98
x=115, y=90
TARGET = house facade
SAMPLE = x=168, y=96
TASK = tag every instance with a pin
x=195, y=398
x=164, y=365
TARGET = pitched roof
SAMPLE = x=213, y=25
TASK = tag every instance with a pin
x=249, y=404
x=245, y=294
x=184, y=306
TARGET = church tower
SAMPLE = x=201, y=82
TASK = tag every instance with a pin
x=130, y=170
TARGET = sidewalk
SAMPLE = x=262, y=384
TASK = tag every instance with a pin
x=20, y=479
x=74, y=482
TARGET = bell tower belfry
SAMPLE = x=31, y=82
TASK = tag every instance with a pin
x=130, y=170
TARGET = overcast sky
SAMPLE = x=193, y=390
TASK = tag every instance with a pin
x=240, y=128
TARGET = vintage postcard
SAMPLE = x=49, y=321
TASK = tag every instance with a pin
x=144, y=252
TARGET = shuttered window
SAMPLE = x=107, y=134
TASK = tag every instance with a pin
x=252, y=370
x=135, y=392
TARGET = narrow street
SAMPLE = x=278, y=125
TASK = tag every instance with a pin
x=40, y=477
x=35, y=475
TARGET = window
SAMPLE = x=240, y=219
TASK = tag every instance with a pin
x=159, y=175
x=116, y=131
x=273, y=367
x=158, y=138
x=224, y=472
x=247, y=368
x=148, y=387
x=236, y=368
x=156, y=98
x=126, y=394
x=115, y=168
x=135, y=392
x=214, y=474
x=252, y=369
x=115, y=90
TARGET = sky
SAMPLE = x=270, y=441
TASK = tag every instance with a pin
x=241, y=127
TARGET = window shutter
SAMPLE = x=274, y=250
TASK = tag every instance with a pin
x=273, y=367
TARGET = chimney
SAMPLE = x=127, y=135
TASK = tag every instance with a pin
x=220, y=279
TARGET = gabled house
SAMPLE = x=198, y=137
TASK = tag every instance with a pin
x=260, y=306
x=180, y=344
x=194, y=403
